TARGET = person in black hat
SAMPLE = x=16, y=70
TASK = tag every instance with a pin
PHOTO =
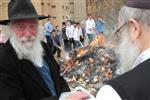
x=28, y=70
x=134, y=49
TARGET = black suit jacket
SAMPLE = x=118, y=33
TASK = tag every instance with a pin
x=20, y=80
x=135, y=84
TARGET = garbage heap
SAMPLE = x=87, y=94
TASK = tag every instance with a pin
x=90, y=67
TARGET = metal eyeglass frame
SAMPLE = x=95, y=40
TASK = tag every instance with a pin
x=119, y=29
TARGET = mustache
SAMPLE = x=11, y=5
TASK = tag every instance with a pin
x=28, y=39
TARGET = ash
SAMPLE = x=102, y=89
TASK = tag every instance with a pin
x=90, y=67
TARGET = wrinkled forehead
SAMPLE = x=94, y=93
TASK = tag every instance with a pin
x=25, y=21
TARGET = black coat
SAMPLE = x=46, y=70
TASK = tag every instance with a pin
x=135, y=84
x=20, y=80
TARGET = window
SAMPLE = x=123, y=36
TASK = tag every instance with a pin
x=42, y=3
x=54, y=17
x=67, y=8
x=71, y=3
x=63, y=6
x=53, y=6
x=48, y=3
x=71, y=12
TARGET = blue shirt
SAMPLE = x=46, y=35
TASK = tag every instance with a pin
x=48, y=28
x=100, y=26
x=46, y=75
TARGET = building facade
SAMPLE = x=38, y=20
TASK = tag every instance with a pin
x=3, y=9
x=63, y=10
x=60, y=10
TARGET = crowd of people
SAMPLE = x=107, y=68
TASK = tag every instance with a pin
x=72, y=34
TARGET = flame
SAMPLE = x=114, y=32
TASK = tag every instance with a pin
x=94, y=42
x=82, y=52
x=99, y=40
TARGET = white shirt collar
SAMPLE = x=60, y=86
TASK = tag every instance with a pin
x=142, y=57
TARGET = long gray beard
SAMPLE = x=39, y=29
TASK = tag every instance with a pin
x=128, y=53
x=33, y=53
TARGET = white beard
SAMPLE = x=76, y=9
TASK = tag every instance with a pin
x=128, y=53
x=29, y=49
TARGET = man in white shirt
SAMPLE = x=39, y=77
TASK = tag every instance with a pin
x=90, y=28
x=77, y=35
x=134, y=49
x=70, y=35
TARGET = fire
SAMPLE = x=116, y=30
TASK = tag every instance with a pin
x=81, y=52
x=99, y=40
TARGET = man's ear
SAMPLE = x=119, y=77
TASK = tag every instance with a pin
x=134, y=29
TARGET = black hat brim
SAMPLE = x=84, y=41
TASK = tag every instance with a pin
x=5, y=22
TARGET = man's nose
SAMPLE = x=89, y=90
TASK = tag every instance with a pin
x=27, y=32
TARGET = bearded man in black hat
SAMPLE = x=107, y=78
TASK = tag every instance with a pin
x=28, y=70
x=134, y=49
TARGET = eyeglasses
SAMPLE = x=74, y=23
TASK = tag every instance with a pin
x=117, y=32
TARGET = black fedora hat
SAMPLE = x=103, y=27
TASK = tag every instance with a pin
x=142, y=4
x=21, y=9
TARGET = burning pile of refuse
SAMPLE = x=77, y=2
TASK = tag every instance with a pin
x=89, y=67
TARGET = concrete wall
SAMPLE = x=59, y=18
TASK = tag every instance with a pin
x=60, y=10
